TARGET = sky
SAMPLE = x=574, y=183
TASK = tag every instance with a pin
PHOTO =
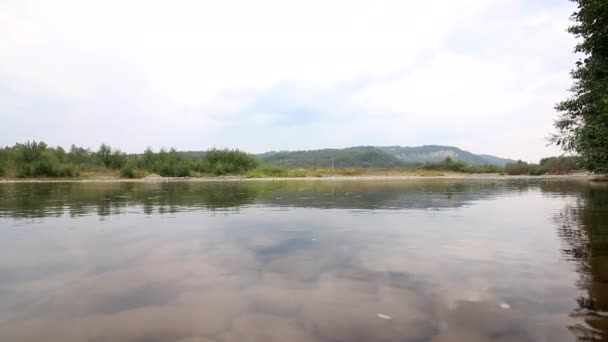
x=482, y=75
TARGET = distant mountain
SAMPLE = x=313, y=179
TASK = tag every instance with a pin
x=496, y=160
x=364, y=156
x=377, y=156
x=436, y=153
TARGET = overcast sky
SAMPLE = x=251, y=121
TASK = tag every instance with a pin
x=483, y=75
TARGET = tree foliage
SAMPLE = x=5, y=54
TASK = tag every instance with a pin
x=168, y=163
x=362, y=156
x=228, y=161
x=548, y=166
x=449, y=164
x=37, y=159
x=560, y=165
x=583, y=118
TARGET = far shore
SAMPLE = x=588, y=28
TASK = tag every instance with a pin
x=158, y=179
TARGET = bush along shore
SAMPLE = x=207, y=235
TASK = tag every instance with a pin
x=38, y=160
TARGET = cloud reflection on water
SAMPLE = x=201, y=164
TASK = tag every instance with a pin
x=249, y=272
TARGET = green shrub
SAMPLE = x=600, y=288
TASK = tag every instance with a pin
x=459, y=166
x=297, y=173
x=118, y=160
x=127, y=171
x=166, y=164
x=182, y=170
x=486, y=168
x=267, y=170
x=148, y=159
x=560, y=165
x=226, y=161
x=22, y=170
x=68, y=170
x=104, y=155
x=219, y=169
x=518, y=168
x=536, y=170
x=41, y=168
x=112, y=159
x=79, y=156
x=29, y=152
x=35, y=159
x=163, y=168
x=47, y=164
x=348, y=171
x=200, y=165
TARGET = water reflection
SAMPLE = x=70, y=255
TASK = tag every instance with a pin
x=301, y=261
x=31, y=200
x=584, y=227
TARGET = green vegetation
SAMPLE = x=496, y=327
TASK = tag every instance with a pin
x=112, y=159
x=437, y=153
x=167, y=163
x=127, y=171
x=520, y=168
x=583, y=120
x=380, y=157
x=27, y=200
x=560, y=165
x=34, y=159
x=37, y=159
x=270, y=170
x=267, y=170
x=364, y=156
x=448, y=164
x=222, y=162
x=3, y=160
x=553, y=166
x=215, y=161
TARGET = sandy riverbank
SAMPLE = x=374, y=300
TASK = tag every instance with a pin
x=577, y=176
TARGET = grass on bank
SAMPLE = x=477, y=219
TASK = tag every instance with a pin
x=273, y=171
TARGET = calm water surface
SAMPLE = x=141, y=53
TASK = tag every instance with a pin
x=421, y=260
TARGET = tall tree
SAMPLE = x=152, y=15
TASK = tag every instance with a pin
x=583, y=118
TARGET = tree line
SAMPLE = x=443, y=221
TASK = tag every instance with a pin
x=37, y=159
x=582, y=124
x=553, y=166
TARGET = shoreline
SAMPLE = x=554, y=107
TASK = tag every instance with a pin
x=579, y=176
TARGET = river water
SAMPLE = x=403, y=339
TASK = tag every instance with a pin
x=415, y=260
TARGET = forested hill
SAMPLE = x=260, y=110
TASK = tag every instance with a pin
x=436, y=153
x=377, y=156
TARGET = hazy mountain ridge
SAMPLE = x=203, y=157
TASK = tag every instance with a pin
x=378, y=156
x=364, y=156
x=436, y=153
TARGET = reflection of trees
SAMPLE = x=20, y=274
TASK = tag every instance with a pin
x=583, y=226
x=32, y=200
x=419, y=194
x=28, y=200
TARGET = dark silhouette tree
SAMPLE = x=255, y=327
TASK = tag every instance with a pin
x=583, y=118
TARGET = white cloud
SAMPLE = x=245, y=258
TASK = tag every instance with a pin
x=195, y=74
